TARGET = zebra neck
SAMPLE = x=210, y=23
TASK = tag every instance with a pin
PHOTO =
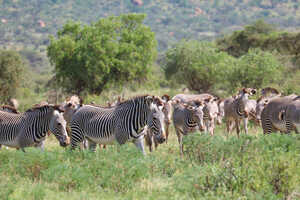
x=39, y=125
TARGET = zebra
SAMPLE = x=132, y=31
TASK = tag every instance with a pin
x=167, y=110
x=275, y=114
x=30, y=128
x=221, y=113
x=236, y=110
x=187, y=118
x=123, y=122
x=210, y=114
x=267, y=94
x=9, y=109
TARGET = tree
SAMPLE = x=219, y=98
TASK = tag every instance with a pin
x=198, y=65
x=256, y=69
x=11, y=71
x=93, y=57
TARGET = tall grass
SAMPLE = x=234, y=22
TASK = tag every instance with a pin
x=251, y=167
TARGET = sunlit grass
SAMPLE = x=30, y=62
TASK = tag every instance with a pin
x=218, y=167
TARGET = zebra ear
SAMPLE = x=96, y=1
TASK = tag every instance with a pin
x=281, y=115
x=58, y=108
x=165, y=97
x=80, y=101
x=158, y=101
x=266, y=101
x=253, y=91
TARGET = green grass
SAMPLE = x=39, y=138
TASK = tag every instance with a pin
x=219, y=167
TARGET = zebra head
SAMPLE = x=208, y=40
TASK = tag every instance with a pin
x=260, y=105
x=156, y=119
x=58, y=128
x=196, y=109
x=167, y=108
x=70, y=106
x=246, y=92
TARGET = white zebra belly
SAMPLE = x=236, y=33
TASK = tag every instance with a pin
x=12, y=143
x=110, y=140
x=280, y=126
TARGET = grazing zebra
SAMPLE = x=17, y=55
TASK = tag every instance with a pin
x=30, y=128
x=186, y=119
x=123, y=122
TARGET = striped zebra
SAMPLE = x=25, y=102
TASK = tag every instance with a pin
x=187, y=118
x=236, y=110
x=30, y=128
x=210, y=114
x=123, y=122
x=9, y=109
x=274, y=115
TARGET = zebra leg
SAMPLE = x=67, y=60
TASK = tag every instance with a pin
x=167, y=131
x=212, y=127
x=76, y=139
x=148, y=139
x=139, y=143
x=237, y=126
x=155, y=143
x=85, y=144
x=92, y=145
x=246, y=125
x=179, y=137
x=41, y=145
x=206, y=128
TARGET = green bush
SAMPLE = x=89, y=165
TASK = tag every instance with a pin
x=112, y=51
x=12, y=68
x=199, y=65
x=256, y=69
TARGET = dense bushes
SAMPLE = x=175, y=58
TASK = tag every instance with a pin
x=12, y=69
x=202, y=67
x=113, y=51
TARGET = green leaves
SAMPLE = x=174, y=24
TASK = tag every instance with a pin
x=109, y=52
x=204, y=68
x=12, y=68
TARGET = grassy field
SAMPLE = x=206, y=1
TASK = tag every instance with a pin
x=251, y=167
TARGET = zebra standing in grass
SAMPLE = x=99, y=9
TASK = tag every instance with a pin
x=123, y=122
x=236, y=109
x=30, y=128
x=9, y=109
x=187, y=118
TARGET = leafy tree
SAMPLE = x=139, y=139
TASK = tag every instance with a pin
x=11, y=71
x=256, y=69
x=198, y=65
x=112, y=51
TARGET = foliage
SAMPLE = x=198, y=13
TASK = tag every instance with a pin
x=251, y=167
x=256, y=69
x=264, y=36
x=199, y=65
x=115, y=50
x=12, y=68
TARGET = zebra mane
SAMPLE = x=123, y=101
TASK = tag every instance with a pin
x=12, y=109
x=39, y=107
x=136, y=98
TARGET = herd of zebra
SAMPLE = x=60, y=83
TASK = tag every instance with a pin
x=146, y=118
